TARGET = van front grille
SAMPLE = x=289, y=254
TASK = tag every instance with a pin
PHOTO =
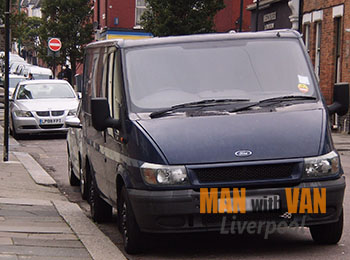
x=244, y=173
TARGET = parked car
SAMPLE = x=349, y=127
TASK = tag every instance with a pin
x=178, y=117
x=42, y=106
x=74, y=149
x=13, y=80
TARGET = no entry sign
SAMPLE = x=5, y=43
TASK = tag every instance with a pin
x=55, y=44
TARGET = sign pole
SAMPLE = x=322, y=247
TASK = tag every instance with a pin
x=54, y=65
x=7, y=65
x=54, y=45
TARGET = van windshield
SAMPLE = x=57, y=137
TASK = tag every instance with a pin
x=162, y=76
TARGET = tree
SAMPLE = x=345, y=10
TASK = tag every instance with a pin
x=180, y=17
x=15, y=17
x=30, y=35
x=71, y=21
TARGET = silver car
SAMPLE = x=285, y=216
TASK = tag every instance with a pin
x=42, y=106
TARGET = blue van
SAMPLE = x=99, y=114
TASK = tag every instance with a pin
x=165, y=119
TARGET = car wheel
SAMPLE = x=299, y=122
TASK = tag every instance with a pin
x=13, y=132
x=100, y=210
x=328, y=234
x=132, y=236
x=84, y=188
x=73, y=180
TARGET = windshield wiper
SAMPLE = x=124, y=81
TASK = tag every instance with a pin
x=201, y=103
x=286, y=98
x=273, y=101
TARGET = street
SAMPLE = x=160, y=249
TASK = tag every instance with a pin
x=50, y=152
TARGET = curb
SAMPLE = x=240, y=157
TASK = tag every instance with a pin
x=98, y=244
x=38, y=174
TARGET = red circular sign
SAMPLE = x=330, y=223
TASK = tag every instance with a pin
x=55, y=44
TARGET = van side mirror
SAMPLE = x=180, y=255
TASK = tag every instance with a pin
x=100, y=115
x=340, y=99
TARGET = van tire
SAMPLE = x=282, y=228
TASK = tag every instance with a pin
x=132, y=236
x=84, y=187
x=100, y=210
x=73, y=180
x=328, y=234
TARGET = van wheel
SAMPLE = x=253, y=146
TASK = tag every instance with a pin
x=100, y=210
x=84, y=187
x=132, y=235
x=73, y=180
x=328, y=234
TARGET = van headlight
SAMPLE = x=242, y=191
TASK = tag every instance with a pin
x=22, y=113
x=156, y=174
x=322, y=166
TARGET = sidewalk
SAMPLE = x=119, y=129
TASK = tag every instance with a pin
x=341, y=141
x=38, y=222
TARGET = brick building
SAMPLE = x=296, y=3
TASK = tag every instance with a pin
x=228, y=18
x=121, y=18
x=326, y=29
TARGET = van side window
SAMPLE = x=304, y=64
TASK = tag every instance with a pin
x=87, y=81
x=110, y=83
x=99, y=85
x=117, y=83
x=104, y=87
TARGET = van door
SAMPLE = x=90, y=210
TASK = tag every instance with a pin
x=95, y=139
x=113, y=142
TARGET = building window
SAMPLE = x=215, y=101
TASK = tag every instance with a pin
x=139, y=10
x=318, y=49
x=338, y=36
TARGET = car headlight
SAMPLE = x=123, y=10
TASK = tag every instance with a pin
x=322, y=166
x=72, y=112
x=156, y=174
x=22, y=113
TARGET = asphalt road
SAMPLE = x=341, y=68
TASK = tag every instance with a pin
x=50, y=152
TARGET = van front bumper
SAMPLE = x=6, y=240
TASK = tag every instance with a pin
x=179, y=210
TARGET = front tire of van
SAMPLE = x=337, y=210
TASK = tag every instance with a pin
x=100, y=210
x=328, y=234
x=131, y=233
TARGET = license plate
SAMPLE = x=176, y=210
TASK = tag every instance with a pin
x=259, y=203
x=50, y=121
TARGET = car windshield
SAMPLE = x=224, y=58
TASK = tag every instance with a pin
x=45, y=91
x=166, y=75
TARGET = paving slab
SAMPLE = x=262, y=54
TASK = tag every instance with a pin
x=6, y=241
x=8, y=257
x=39, y=236
x=48, y=252
x=47, y=243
